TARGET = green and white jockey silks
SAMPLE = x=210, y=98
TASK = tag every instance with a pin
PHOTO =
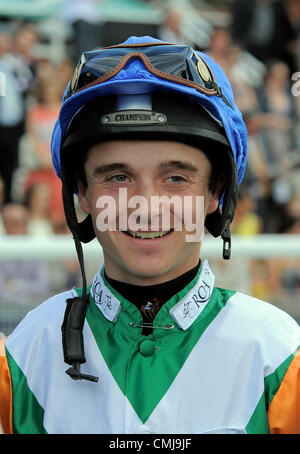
x=216, y=362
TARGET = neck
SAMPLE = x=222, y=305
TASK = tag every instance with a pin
x=140, y=294
x=150, y=298
x=154, y=272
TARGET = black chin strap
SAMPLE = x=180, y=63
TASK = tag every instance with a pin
x=75, y=313
x=218, y=223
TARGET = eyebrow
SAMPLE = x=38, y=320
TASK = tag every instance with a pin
x=182, y=165
x=101, y=170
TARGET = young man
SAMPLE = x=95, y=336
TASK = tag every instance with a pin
x=153, y=346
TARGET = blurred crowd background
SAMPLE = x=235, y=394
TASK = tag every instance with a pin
x=256, y=42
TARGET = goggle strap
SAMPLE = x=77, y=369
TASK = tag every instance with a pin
x=220, y=93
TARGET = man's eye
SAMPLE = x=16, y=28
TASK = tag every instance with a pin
x=120, y=178
x=176, y=179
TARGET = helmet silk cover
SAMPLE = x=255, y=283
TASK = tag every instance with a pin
x=135, y=79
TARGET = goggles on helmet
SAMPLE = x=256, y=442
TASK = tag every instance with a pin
x=180, y=64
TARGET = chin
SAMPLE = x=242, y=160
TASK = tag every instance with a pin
x=147, y=263
x=151, y=270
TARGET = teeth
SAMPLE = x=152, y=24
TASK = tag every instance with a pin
x=147, y=235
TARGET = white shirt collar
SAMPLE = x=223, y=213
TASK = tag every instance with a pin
x=184, y=313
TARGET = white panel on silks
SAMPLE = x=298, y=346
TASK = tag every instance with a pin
x=222, y=380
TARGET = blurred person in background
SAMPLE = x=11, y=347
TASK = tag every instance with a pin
x=25, y=38
x=41, y=117
x=170, y=29
x=263, y=28
x=246, y=221
x=37, y=166
x=37, y=199
x=85, y=20
x=53, y=74
x=220, y=47
x=22, y=281
x=1, y=203
x=293, y=11
x=19, y=68
x=12, y=113
x=276, y=130
x=15, y=219
x=65, y=70
x=279, y=118
x=271, y=116
x=41, y=223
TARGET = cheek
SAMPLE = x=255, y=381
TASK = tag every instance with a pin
x=194, y=211
x=196, y=208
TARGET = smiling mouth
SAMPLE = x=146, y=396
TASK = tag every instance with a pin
x=148, y=235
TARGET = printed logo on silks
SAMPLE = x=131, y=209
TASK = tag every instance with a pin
x=190, y=307
x=133, y=117
x=104, y=299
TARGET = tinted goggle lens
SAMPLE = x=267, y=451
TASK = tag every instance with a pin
x=177, y=61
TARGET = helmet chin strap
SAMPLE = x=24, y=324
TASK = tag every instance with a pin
x=75, y=313
x=218, y=223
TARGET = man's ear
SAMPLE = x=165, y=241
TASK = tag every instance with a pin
x=82, y=198
x=215, y=197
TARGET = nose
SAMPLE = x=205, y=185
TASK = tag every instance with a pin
x=151, y=209
x=142, y=213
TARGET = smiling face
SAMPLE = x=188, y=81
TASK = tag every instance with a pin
x=147, y=251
